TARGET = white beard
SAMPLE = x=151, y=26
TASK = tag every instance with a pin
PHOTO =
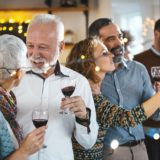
x=46, y=65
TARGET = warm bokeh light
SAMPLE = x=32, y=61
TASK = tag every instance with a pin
x=97, y=69
x=11, y=20
x=156, y=136
x=20, y=27
x=10, y=28
x=20, y=31
x=25, y=34
x=4, y=28
x=114, y=144
x=83, y=57
x=125, y=40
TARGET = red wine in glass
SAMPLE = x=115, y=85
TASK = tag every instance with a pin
x=68, y=85
x=39, y=122
x=40, y=118
x=68, y=91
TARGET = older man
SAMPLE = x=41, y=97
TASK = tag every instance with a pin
x=41, y=85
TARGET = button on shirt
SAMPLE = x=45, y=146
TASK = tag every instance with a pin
x=127, y=87
x=32, y=90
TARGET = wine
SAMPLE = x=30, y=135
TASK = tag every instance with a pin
x=39, y=122
x=68, y=91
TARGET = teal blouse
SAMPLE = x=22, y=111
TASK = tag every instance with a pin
x=6, y=144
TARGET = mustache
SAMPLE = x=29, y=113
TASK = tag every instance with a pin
x=37, y=59
x=119, y=50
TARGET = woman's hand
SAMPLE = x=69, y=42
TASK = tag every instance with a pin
x=31, y=144
x=33, y=141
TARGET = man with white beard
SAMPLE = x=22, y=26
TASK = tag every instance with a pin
x=40, y=87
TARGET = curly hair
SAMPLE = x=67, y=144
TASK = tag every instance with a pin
x=81, y=59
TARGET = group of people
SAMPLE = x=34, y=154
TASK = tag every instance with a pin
x=112, y=97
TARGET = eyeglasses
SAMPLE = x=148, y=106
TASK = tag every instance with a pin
x=11, y=71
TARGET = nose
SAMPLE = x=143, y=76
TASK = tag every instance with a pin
x=118, y=41
x=34, y=52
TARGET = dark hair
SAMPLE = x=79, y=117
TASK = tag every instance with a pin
x=94, y=28
x=157, y=25
x=81, y=59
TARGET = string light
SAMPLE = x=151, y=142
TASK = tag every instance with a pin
x=4, y=28
x=114, y=144
x=11, y=20
x=156, y=136
x=83, y=57
x=97, y=68
x=10, y=28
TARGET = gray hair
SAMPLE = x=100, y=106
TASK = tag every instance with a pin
x=12, y=54
x=48, y=18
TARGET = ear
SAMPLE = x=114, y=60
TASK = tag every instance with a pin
x=62, y=46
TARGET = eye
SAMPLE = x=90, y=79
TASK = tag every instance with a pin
x=30, y=46
x=105, y=53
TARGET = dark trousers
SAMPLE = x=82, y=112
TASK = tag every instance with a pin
x=153, y=148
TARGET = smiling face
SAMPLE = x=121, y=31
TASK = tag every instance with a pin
x=112, y=37
x=103, y=58
x=42, y=44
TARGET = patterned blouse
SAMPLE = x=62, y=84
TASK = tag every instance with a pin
x=107, y=115
x=8, y=107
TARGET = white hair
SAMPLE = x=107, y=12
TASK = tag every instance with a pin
x=49, y=18
x=12, y=54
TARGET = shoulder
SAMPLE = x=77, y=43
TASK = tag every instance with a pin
x=136, y=65
x=142, y=55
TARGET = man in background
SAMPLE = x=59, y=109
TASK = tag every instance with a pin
x=151, y=58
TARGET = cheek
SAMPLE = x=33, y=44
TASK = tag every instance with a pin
x=107, y=66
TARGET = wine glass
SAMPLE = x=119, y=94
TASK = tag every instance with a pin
x=155, y=73
x=67, y=87
x=40, y=118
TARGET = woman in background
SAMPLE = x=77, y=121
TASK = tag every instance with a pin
x=12, y=144
x=93, y=60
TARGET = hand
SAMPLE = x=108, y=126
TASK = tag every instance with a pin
x=95, y=87
x=76, y=105
x=33, y=141
x=157, y=86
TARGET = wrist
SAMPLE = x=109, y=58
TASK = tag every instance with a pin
x=22, y=153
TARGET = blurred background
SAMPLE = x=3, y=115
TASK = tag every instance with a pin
x=136, y=18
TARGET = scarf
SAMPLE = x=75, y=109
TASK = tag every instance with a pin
x=8, y=107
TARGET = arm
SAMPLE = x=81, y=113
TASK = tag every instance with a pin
x=81, y=134
x=31, y=144
x=112, y=115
